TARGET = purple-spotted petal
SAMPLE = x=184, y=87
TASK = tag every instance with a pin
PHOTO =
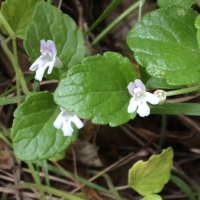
x=151, y=98
x=143, y=109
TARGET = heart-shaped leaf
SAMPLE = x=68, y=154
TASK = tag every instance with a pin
x=149, y=177
x=49, y=23
x=33, y=133
x=167, y=3
x=165, y=43
x=18, y=14
x=97, y=89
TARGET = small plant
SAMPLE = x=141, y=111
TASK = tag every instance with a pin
x=102, y=88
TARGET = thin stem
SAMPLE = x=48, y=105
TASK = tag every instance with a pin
x=35, y=176
x=115, y=22
x=43, y=188
x=4, y=138
x=140, y=10
x=15, y=62
x=46, y=171
x=6, y=25
x=183, y=91
x=30, y=77
x=18, y=70
x=109, y=182
x=122, y=187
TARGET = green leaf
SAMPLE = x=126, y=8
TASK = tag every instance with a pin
x=168, y=3
x=197, y=25
x=149, y=177
x=155, y=83
x=97, y=89
x=33, y=133
x=49, y=23
x=165, y=43
x=177, y=109
x=18, y=14
x=152, y=197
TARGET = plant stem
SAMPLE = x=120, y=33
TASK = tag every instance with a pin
x=2, y=136
x=43, y=188
x=115, y=22
x=13, y=57
x=36, y=177
x=6, y=25
x=183, y=91
x=18, y=70
x=122, y=187
x=140, y=10
x=30, y=77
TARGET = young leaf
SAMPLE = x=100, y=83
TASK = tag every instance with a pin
x=18, y=14
x=33, y=133
x=97, y=89
x=149, y=177
x=152, y=197
x=49, y=23
x=168, y=3
x=165, y=43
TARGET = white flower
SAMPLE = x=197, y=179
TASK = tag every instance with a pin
x=140, y=98
x=63, y=121
x=47, y=59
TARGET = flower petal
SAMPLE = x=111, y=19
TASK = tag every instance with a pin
x=58, y=122
x=50, y=65
x=51, y=47
x=67, y=129
x=131, y=87
x=143, y=109
x=58, y=63
x=40, y=73
x=77, y=122
x=152, y=98
x=35, y=65
x=139, y=84
x=132, y=105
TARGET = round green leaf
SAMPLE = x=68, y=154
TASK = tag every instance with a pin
x=165, y=43
x=149, y=177
x=97, y=89
x=18, y=14
x=49, y=23
x=33, y=133
x=166, y=3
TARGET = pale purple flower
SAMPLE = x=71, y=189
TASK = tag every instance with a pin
x=47, y=59
x=63, y=121
x=140, y=98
